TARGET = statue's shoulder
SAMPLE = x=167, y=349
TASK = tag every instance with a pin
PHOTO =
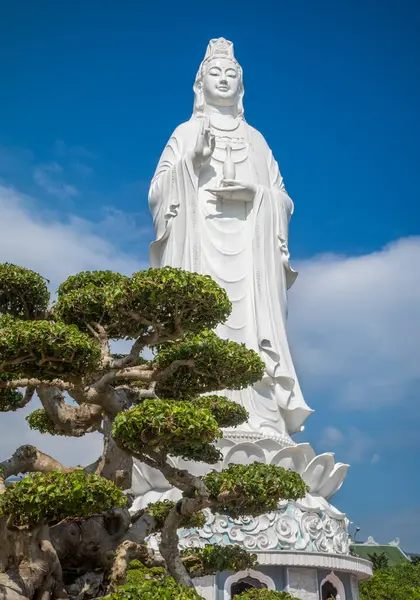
x=257, y=137
x=186, y=130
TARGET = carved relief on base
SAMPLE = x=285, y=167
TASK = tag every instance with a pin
x=289, y=528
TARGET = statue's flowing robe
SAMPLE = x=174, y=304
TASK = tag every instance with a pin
x=243, y=246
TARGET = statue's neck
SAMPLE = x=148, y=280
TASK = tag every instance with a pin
x=226, y=111
x=222, y=117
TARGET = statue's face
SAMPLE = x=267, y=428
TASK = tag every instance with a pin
x=221, y=82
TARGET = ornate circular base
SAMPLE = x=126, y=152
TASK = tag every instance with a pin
x=288, y=529
x=238, y=436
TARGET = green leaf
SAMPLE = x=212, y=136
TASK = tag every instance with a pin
x=23, y=293
x=253, y=489
x=219, y=364
x=55, y=496
x=44, y=349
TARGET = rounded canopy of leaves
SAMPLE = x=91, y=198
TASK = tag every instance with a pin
x=44, y=349
x=161, y=509
x=88, y=297
x=165, y=588
x=166, y=299
x=23, y=293
x=55, y=496
x=226, y=412
x=264, y=595
x=210, y=559
x=218, y=364
x=174, y=299
x=163, y=425
x=199, y=452
x=253, y=489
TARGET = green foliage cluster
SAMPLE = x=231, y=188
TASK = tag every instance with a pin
x=164, y=426
x=379, y=561
x=161, y=509
x=264, y=595
x=226, y=412
x=253, y=489
x=55, y=496
x=9, y=399
x=199, y=452
x=174, y=298
x=219, y=364
x=88, y=297
x=23, y=293
x=128, y=306
x=40, y=421
x=44, y=349
x=208, y=560
x=155, y=589
x=399, y=582
x=137, y=572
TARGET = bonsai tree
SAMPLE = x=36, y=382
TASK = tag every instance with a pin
x=66, y=530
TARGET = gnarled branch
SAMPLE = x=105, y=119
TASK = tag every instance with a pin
x=70, y=420
x=126, y=552
x=114, y=464
x=99, y=332
x=169, y=538
x=28, y=459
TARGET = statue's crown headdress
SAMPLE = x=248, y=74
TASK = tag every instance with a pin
x=219, y=48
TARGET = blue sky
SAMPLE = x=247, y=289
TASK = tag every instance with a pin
x=90, y=94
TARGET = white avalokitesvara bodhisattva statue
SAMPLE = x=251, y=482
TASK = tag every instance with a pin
x=220, y=208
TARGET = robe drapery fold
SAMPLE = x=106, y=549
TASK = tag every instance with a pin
x=276, y=404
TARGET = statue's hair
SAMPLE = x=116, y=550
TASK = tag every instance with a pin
x=199, y=100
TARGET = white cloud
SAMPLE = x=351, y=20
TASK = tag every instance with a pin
x=49, y=177
x=331, y=435
x=353, y=445
x=355, y=324
x=54, y=248
x=375, y=459
x=64, y=150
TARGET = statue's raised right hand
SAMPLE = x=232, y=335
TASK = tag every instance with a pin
x=204, y=146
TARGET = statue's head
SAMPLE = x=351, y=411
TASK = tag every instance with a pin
x=219, y=79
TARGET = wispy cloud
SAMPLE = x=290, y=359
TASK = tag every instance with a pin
x=53, y=247
x=353, y=445
x=49, y=177
x=354, y=326
x=65, y=150
x=375, y=459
